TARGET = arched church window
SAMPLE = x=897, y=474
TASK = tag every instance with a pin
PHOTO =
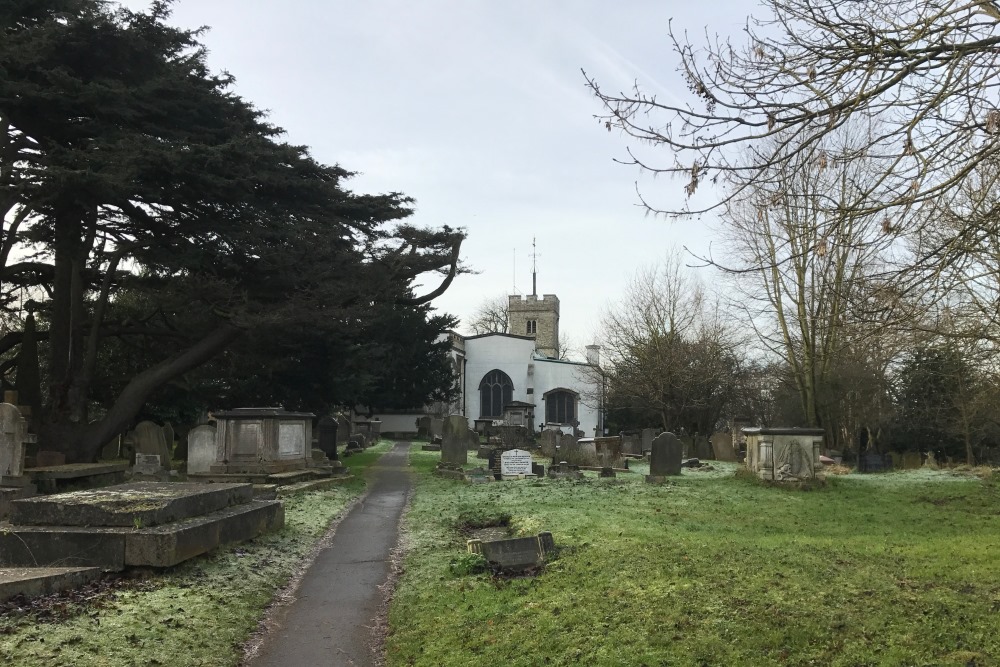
x=495, y=391
x=560, y=407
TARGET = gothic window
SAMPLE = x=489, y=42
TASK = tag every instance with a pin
x=532, y=326
x=495, y=391
x=560, y=407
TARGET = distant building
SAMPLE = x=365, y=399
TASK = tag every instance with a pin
x=518, y=377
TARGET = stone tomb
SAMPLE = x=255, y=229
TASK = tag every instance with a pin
x=784, y=454
x=144, y=524
x=665, y=458
x=262, y=440
x=515, y=464
x=13, y=482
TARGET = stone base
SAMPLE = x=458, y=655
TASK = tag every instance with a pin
x=430, y=448
x=113, y=548
x=34, y=581
x=656, y=479
x=508, y=478
x=9, y=494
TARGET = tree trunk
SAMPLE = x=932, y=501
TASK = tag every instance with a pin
x=86, y=442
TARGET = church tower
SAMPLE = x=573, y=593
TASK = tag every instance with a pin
x=534, y=317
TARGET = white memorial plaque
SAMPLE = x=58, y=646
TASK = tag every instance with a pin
x=515, y=462
x=147, y=464
x=291, y=439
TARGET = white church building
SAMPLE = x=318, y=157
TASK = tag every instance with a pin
x=518, y=377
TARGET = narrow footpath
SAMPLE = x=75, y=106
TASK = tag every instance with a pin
x=330, y=622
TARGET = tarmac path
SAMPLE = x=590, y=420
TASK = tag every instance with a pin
x=331, y=619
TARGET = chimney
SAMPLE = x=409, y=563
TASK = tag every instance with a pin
x=594, y=355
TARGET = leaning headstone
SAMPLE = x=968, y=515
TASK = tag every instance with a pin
x=327, y=436
x=168, y=436
x=112, y=450
x=665, y=458
x=515, y=463
x=201, y=449
x=454, y=451
x=149, y=439
x=722, y=446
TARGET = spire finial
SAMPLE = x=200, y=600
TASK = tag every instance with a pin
x=534, y=269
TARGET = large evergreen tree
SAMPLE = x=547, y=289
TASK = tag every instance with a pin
x=129, y=168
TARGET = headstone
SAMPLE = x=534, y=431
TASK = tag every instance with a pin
x=722, y=446
x=147, y=464
x=586, y=452
x=931, y=461
x=12, y=428
x=375, y=429
x=437, y=427
x=343, y=429
x=423, y=428
x=646, y=439
x=327, y=436
x=538, y=470
x=149, y=439
x=515, y=463
x=454, y=439
x=665, y=458
x=569, y=449
x=607, y=472
x=609, y=451
x=631, y=445
x=912, y=460
x=168, y=436
x=201, y=449
x=358, y=438
x=897, y=460
x=548, y=440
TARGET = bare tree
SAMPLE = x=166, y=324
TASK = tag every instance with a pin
x=925, y=70
x=492, y=316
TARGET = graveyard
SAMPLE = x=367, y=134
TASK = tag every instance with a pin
x=705, y=565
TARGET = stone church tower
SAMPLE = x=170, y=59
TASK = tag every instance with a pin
x=537, y=318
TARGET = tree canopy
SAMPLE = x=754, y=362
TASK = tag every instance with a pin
x=147, y=204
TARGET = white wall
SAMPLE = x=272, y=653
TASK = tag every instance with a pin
x=550, y=374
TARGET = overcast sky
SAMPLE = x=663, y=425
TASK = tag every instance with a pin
x=479, y=111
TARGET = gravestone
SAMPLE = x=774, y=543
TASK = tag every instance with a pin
x=722, y=446
x=147, y=464
x=897, y=460
x=646, y=439
x=538, y=470
x=375, y=430
x=112, y=450
x=586, y=453
x=631, y=445
x=515, y=463
x=343, y=429
x=149, y=439
x=548, y=441
x=168, y=436
x=201, y=449
x=609, y=451
x=931, y=461
x=569, y=449
x=454, y=438
x=359, y=438
x=423, y=428
x=437, y=428
x=471, y=439
x=12, y=428
x=665, y=458
x=607, y=472
x=327, y=436
x=703, y=448
x=912, y=460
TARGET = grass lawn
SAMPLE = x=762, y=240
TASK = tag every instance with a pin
x=712, y=569
x=198, y=613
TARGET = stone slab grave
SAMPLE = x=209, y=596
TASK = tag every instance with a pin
x=143, y=524
x=515, y=464
x=54, y=479
x=516, y=554
x=35, y=581
x=665, y=458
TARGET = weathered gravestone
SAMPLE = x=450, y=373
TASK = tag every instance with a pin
x=931, y=461
x=454, y=451
x=375, y=430
x=12, y=428
x=150, y=439
x=168, y=436
x=471, y=439
x=201, y=449
x=586, y=452
x=112, y=450
x=547, y=441
x=631, y=445
x=327, y=436
x=515, y=463
x=609, y=451
x=147, y=464
x=703, y=448
x=722, y=446
x=665, y=458
x=912, y=460
x=569, y=449
x=359, y=438
x=343, y=430
x=646, y=439
x=437, y=428
x=423, y=428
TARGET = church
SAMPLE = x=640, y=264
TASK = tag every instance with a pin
x=518, y=378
